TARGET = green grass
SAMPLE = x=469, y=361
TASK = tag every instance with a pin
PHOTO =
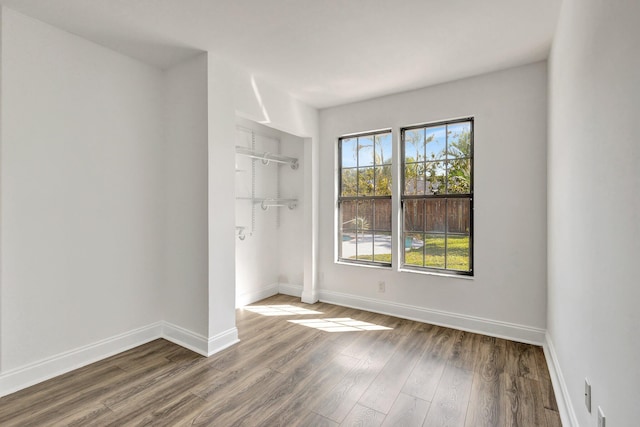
x=457, y=254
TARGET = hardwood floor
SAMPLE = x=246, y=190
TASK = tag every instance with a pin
x=287, y=374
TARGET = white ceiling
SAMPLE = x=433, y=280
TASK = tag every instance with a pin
x=324, y=52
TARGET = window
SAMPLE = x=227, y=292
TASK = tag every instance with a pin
x=437, y=197
x=365, y=198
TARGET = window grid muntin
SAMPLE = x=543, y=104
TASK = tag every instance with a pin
x=425, y=196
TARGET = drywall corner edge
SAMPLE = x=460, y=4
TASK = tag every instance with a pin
x=1, y=121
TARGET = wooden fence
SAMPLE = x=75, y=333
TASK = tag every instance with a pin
x=434, y=215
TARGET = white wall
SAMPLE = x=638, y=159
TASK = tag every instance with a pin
x=81, y=174
x=186, y=257
x=594, y=208
x=507, y=295
x=291, y=250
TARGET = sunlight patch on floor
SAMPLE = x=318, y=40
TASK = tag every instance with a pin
x=280, y=310
x=343, y=324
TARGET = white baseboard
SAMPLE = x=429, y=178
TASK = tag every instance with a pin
x=251, y=297
x=221, y=341
x=33, y=373
x=565, y=408
x=185, y=338
x=495, y=328
x=310, y=297
x=290, y=289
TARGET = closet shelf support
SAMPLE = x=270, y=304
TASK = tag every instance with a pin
x=268, y=202
x=277, y=203
x=267, y=157
x=241, y=233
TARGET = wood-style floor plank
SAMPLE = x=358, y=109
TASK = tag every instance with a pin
x=553, y=418
x=464, y=351
x=313, y=419
x=362, y=416
x=234, y=404
x=302, y=379
x=524, y=403
x=50, y=393
x=85, y=416
x=287, y=374
x=425, y=377
x=382, y=393
x=548, y=398
x=320, y=383
x=487, y=391
x=521, y=360
x=407, y=411
x=338, y=402
x=449, y=405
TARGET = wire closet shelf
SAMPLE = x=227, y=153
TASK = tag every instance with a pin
x=267, y=157
x=265, y=203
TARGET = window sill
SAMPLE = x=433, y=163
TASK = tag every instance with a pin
x=435, y=273
x=355, y=264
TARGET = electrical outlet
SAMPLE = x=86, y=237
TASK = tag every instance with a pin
x=587, y=394
x=382, y=287
x=601, y=418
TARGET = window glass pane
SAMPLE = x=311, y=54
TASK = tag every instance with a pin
x=349, y=152
x=366, y=181
x=349, y=246
x=365, y=151
x=348, y=213
x=459, y=139
x=349, y=182
x=436, y=140
x=434, y=250
x=414, y=179
x=383, y=180
x=414, y=249
x=435, y=176
x=364, y=223
x=364, y=219
x=414, y=215
x=414, y=145
x=458, y=252
x=382, y=215
x=436, y=215
x=383, y=149
x=382, y=247
x=458, y=231
x=458, y=214
x=459, y=176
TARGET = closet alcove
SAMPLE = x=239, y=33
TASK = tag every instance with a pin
x=269, y=186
